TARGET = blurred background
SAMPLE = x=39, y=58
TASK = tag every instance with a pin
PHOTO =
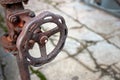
x=92, y=49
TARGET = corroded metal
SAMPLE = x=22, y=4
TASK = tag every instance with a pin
x=24, y=30
x=29, y=33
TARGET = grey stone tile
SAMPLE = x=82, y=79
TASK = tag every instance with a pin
x=105, y=53
x=85, y=60
x=34, y=77
x=115, y=40
x=84, y=34
x=68, y=69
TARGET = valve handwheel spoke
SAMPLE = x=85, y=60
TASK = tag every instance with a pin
x=51, y=32
x=43, y=50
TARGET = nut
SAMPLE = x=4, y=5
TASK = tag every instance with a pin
x=13, y=19
x=43, y=39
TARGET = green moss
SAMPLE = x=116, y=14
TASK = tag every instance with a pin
x=38, y=74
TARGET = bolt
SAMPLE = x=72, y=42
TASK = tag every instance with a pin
x=32, y=14
x=13, y=19
x=31, y=41
x=43, y=39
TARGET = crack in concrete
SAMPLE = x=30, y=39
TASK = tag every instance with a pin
x=107, y=70
x=81, y=24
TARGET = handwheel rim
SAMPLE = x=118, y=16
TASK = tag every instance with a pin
x=39, y=19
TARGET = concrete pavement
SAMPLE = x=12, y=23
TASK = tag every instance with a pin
x=92, y=49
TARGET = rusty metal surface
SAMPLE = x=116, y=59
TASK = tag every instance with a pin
x=11, y=1
x=24, y=30
x=33, y=32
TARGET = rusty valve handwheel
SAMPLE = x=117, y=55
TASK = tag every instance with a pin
x=32, y=33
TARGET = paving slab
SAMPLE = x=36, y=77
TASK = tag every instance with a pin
x=105, y=53
x=90, y=52
x=68, y=70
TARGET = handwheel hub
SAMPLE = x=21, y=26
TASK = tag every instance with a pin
x=43, y=39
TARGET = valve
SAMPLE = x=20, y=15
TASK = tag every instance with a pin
x=24, y=30
x=32, y=32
